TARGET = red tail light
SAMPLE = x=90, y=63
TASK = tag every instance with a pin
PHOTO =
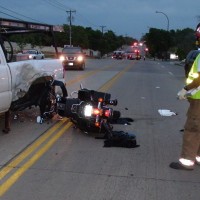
x=107, y=113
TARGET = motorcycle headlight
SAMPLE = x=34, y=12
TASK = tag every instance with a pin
x=88, y=111
x=80, y=58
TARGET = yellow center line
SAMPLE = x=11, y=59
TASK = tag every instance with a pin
x=14, y=163
x=10, y=181
x=5, y=170
x=85, y=76
x=109, y=84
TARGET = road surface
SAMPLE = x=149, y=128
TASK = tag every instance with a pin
x=55, y=161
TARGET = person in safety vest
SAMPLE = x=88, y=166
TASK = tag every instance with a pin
x=190, y=154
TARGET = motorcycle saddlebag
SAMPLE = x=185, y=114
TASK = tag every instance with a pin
x=64, y=106
x=121, y=139
x=92, y=95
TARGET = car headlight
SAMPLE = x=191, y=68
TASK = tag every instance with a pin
x=80, y=58
x=62, y=58
x=30, y=56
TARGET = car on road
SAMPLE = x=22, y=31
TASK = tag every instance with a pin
x=133, y=55
x=31, y=54
x=191, y=56
x=73, y=58
x=118, y=55
x=34, y=54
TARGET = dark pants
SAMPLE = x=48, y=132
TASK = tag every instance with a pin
x=62, y=86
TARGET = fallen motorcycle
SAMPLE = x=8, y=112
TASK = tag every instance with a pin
x=91, y=111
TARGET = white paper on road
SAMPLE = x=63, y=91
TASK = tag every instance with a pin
x=165, y=112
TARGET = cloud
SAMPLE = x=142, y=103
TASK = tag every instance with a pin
x=132, y=18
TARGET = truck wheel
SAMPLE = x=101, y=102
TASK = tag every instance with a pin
x=47, y=103
x=82, y=67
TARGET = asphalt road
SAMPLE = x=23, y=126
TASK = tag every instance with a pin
x=55, y=161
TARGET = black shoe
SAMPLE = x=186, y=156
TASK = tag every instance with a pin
x=177, y=165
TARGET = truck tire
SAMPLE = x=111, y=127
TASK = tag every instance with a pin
x=82, y=67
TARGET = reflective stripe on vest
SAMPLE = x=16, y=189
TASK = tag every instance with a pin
x=194, y=74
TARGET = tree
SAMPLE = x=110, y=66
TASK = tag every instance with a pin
x=160, y=42
x=79, y=37
x=20, y=40
x=184, y=41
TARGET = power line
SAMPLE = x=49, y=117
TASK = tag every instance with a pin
x=11, y=16
x=87, y=21
x=17, y=14
x=61, y=6
x=56, y=5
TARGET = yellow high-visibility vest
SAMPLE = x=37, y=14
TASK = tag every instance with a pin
x=194, y=74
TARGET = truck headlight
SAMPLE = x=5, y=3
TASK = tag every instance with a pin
x=80, y=58
x=62, y=58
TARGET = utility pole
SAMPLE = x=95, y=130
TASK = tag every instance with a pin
x=70, y=25
x=102, y=27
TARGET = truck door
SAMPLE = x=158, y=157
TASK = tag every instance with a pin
x=5, y=83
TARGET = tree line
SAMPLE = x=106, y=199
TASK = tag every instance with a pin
x=159, y=42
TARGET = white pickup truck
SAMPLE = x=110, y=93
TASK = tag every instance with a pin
x=25, y=84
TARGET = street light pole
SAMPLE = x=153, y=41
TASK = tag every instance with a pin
x=166, y=18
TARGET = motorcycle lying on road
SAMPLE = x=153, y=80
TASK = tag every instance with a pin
x=91, y=112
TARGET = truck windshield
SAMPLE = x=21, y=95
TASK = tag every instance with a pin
x=71, y=50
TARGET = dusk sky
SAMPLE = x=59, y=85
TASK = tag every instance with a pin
x=128, y=18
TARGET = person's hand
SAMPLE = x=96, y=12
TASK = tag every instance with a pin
x=182, y=94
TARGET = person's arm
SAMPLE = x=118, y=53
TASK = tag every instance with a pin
x=195, y=83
